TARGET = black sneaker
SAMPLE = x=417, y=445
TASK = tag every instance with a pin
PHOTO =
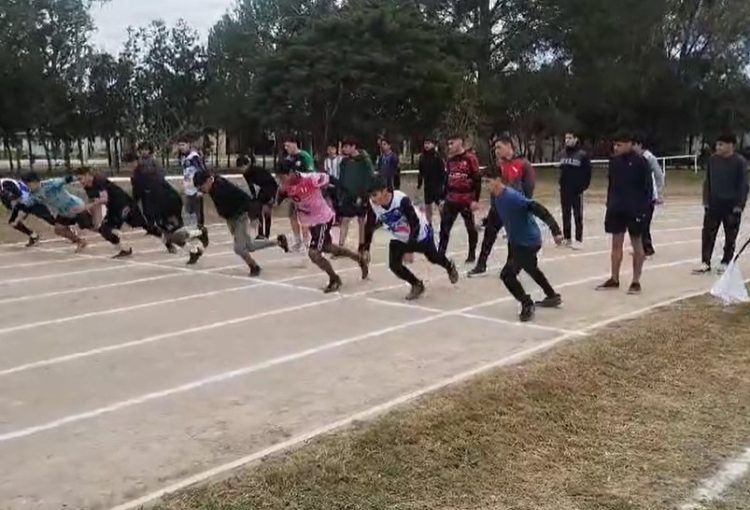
x=283, y=242
x=478, y=270
x=609, y=285
x=124, y=254
x=364, y=265
x=33, y=239
x=194, y=256
x=260, y=237
x=415, y=292
x=527, y=312
x=634, y=289
x=333, y=286
x=203, y=238
x=255, y=271
x=171, y=248
x=471, y=258
x=452, y=272
x=550, y=301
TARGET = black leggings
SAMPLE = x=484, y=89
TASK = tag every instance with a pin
x=524, y=258
x=397, y=250
x=572, y=203
x=451, y=211
x=648, y=243
x=115, y=219
x=491, y=230
x=715, y=216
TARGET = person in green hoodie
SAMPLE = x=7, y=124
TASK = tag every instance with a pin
x=356, y=174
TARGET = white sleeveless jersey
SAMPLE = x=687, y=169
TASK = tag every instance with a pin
x=395, y=222
x=23, y=190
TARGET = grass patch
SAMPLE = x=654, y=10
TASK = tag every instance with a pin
x=630, y=418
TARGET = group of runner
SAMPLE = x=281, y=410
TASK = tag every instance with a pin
x=350, y=187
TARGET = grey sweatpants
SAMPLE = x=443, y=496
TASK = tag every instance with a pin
x=243, y=242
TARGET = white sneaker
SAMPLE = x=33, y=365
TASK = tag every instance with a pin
x=297, y=247
x=567, y=243
x=577, y=246
x=703, y=269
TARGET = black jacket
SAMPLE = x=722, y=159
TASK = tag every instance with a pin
x=230, y=200
x=726, y=181
x=631, y=186
x=575, y=170
x=432, y=173
x=261, y=183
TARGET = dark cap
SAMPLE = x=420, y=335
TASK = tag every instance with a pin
x=200, y=177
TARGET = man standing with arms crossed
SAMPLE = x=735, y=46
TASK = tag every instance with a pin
x=629, y=195
x=191, y=163
x=575, y=178
x=724, y=196
x=355, y=177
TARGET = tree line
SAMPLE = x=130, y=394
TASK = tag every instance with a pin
x=677, y=70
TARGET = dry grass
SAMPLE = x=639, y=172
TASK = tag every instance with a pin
x=630, y=418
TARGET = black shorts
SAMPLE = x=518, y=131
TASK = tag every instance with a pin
x=432, y=195
x=349, y=208
x=129, y=214
x=617, y=222
x=38, y=210
x=84, y=220
x=320, y=236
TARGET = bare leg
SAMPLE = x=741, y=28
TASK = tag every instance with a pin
x=428, y=213
x=639, y=256
x=344, y=230
x=319, y=260
x=295, y=228
x=617, y=242
x=67, y=233
x=361, y=221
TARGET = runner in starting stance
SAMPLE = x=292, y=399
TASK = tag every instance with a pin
x=315, y=213
x=516, y=213
x=411, y=234
x=12, y=195
x=238, y=209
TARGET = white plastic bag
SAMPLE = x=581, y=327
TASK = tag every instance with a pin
x=731, y=287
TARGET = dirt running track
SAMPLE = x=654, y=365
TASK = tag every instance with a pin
x=120, y=378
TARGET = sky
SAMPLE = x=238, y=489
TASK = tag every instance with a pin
x=113, y=17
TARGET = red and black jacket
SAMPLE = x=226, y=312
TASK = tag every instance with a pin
x=463, y=180
x=518, y=174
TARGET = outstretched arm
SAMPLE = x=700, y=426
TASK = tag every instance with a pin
x=543, y=214
x=371, y=225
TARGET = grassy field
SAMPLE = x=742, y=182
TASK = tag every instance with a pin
x=627, y=419
x=680, y=184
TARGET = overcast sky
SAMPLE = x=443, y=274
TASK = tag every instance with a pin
x=113, y=17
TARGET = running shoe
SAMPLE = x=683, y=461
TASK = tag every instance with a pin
x=528, y=311
x=550, y=301
x=609, y=285
x=194, y=256
x=122, y=254
x=33, y=239
x=333, y=286
x=416, y=292
x=283, y=242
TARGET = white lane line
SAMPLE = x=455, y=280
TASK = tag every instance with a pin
x=372, y=412
x=712, y=489
x=58, y=293
x=123, y=309
x=151, y=339
x=40, y=263
x=232, y=374
x=528, y=325
x=92, y=235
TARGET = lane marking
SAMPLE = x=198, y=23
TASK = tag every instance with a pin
x=232, y=374
x=374, y=411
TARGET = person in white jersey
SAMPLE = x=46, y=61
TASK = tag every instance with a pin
x=410, y=234
x=13, y=193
